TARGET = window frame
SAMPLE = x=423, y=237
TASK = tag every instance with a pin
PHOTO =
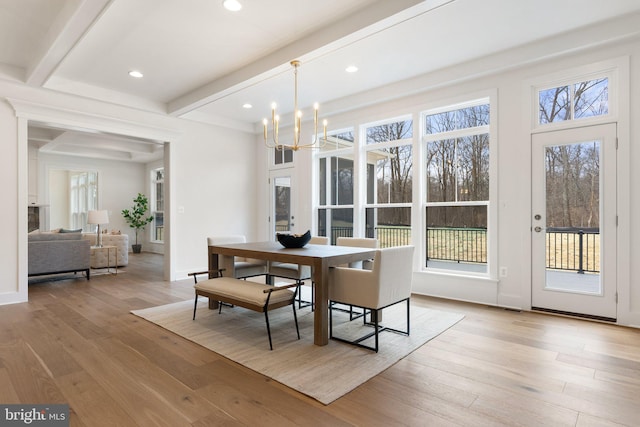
x=489, y=99
x=569, y=78
x=83, y=197
x=365, y=148
x=274, y=152
x=328, y=206
x=154, y=205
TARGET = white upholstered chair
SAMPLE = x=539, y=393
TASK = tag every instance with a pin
x=367, y=264
x=244, y=267
x=388, y=283
x=359, y=243
x=319, y=240
x=296, y=272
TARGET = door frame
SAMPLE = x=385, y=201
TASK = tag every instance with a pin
x=278, y=173
x=569, y=302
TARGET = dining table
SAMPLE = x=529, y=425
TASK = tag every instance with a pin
x=319, y=257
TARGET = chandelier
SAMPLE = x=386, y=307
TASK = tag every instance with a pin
x=274, y=141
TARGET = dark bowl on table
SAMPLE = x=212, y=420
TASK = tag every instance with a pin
x=294, y=240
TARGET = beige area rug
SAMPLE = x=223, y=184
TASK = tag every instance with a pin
x=325, y=373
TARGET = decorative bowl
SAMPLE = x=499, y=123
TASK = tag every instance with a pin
x=294, y=240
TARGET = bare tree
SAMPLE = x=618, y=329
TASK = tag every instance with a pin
x=394, y=173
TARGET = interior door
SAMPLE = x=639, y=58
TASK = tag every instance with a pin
x=282, y=194
x=574, y=221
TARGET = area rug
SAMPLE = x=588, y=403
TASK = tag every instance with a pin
x=324, y=373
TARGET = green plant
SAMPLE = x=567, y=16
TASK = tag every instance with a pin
x=136, y=217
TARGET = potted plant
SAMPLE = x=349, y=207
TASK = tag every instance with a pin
x=137, y=219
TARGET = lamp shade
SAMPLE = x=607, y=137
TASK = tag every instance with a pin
x=98, y=217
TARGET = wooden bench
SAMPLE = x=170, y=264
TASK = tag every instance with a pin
x=251, y=295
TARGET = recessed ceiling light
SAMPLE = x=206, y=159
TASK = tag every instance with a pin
x=135, y=73
x=247, y=106
x=351, y=69
x=232, y=5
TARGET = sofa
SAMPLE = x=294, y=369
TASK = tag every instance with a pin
x=99, y=259
x=53, y=253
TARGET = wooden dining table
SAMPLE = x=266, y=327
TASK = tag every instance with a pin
x=319, y=257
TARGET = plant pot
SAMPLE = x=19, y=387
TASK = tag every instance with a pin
x=136, y=248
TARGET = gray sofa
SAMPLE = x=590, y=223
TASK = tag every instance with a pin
x=52, y=253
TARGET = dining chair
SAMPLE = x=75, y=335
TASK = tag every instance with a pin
x=245, y=293
x=244, y=267
x=387, y=284
x=367, y=264
x=296, y=272
x=359, y=243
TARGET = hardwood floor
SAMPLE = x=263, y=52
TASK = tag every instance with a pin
x=75, y=342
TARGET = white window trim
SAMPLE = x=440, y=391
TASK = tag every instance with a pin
x=154, y=204
x=491, y=97
x=345, y=152
x=570, y=77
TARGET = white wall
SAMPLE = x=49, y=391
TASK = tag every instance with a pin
x=214, y=191
x=57, y=196
x=118, y=184
x=10, y=250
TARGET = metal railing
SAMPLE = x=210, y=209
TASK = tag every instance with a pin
x=390, y=236
x=568, y=248
x=574, y=249
x=387, y=235
x=457, y=244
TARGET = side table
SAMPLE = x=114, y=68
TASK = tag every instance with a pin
x=115, y=256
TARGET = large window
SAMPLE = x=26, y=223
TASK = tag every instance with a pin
x=389, y=164
x=83, y=191
x=366, y=185
x=457, y=187
x=157, y=205
x=335, y=186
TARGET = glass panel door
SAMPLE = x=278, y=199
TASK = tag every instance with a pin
x=282, y=194
x=573, y=221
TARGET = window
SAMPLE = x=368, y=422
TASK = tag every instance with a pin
x=389, y=164
x=574, y=101
x=282, y=156
x=157, y=205
x=83, y=190
x=335, y=186
x=457, y=185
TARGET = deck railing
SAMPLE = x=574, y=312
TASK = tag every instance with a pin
x=387, y=235
x=568, y=248
x=574, y=249
x=457, y=244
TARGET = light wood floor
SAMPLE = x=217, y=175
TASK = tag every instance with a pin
x=75, y=342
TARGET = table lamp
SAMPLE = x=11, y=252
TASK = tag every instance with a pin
x=98, y=218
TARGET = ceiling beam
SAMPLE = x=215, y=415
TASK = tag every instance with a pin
x=340, y=33
x=68, y=28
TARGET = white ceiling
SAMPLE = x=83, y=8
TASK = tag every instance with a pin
x=203, y=62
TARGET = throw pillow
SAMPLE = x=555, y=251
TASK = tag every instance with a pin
x=64, y=230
